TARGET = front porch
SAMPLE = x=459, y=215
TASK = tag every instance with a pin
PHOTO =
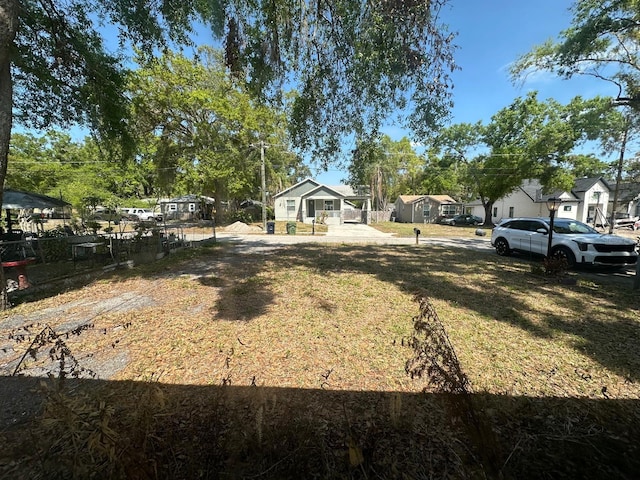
x=333, y=211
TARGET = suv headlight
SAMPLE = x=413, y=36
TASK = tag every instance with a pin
x=583, y=246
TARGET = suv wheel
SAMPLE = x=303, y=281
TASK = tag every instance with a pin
x=502, y=247
x=564, y=252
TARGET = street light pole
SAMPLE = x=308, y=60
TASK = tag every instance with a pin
x=553, y=204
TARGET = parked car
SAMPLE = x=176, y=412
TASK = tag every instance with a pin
x=141, y=214
x=464, y=219
x=105, y=214
x=575, y=241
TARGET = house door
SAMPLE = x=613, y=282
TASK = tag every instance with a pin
x=311, y=208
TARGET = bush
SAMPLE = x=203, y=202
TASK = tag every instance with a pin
x=54, y=245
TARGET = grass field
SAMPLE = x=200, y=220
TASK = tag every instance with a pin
x=292, y=364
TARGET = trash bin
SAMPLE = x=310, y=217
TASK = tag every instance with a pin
x=271, y=228
x=291, y=228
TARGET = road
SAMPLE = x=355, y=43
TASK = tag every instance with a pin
x=347, y=233
x=364, y=234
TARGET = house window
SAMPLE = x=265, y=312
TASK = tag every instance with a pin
x=172, y=207
x=328, y=205
x=291, y=205
x=566, y=208
x=192, y=207
x=426, y=212
x=448, y=209
x=511, y=210
x=495, y=211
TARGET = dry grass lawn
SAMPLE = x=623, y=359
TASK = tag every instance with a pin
x=553, y=368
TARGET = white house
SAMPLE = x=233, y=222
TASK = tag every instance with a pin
x=309, y=200
x=586, y=201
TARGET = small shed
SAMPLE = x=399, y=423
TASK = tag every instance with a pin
x=189, y=207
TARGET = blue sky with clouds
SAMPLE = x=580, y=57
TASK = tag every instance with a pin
x=491, y=35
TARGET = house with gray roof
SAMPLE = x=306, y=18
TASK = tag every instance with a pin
x=310, y=200
x=628, y=200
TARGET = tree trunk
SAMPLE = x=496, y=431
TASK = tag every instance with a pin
x=616, y=191
x=8, y=26
x=487, y=213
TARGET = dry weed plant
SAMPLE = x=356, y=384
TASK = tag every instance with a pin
x=555, y=266
x=436, y=359
x=58, y=351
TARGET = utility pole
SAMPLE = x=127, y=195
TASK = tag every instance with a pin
x=264, y=187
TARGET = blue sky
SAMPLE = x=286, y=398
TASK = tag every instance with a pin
x=491, y=35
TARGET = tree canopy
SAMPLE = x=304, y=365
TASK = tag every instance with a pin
x=603, y=41
x=201, y=130
x=389, y=168
x=528, y=139
x=349, y=62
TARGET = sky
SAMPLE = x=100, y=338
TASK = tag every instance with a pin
x=492, y=34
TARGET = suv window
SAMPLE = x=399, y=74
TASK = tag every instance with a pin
x=526, y=225
x=517, y=225
x=571, y=226
x=534, y=225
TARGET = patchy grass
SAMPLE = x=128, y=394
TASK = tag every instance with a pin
x=293, y=364
x=428, y=229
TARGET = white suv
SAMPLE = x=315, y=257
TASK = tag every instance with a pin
x=573, y=240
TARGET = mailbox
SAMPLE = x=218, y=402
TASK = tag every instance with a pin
x=417, y=232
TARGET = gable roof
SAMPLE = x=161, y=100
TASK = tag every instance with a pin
x=292, y=187
x=321, y=188
x=584, y=184
x=407, y=199
x=189, y=198
x=628, y=191
x=441, y=198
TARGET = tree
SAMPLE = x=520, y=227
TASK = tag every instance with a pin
x=449, y=157
x=528, y=139
x=588, y=165
x=56, y=165
x=389, y=168
x=201, y=129
x=602, y=41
